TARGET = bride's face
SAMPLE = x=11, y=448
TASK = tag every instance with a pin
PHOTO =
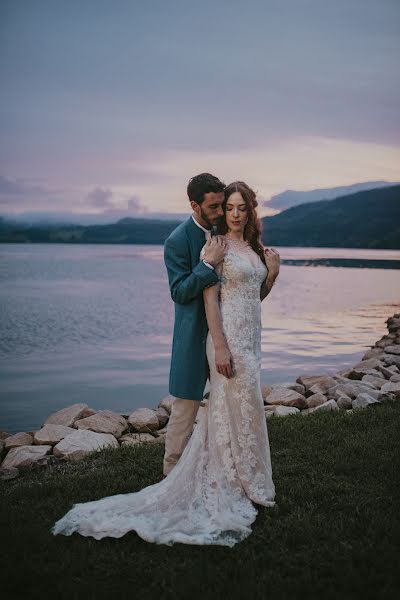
x=236, y=213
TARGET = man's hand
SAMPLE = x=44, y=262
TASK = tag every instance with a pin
x=224, y=361
x=214, y=250
x=273, y=261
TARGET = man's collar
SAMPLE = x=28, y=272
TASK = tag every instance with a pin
x=206, y=231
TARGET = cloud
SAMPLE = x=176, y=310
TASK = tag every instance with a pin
x=100, y=198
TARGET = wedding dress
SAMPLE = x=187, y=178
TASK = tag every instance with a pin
x=209, y=497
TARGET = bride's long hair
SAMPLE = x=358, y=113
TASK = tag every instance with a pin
x=253, y=227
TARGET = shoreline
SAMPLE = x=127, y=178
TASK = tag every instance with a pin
x=76, y=430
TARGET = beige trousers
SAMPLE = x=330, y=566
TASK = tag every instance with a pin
x=179, y=430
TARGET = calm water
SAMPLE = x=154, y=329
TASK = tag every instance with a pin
x=94, y=324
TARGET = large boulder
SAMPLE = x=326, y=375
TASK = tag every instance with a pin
x=18, y=439
x=363, y=400
x=364, y=367
x=326, y=406
x=286, y=397
x=324, y=381
x=395, y=349
x=281, y=411
x=265, y=391
x=67, y=416
x=322, y=386
x=8, y=473
x=344, y=402
x=392, y=388
x=162, y=416
x=144, y=419
x=316, y=400
x=290, y=385
x=104, y=421
x=81, y=442
x=374, y=380
x=25, y=456
x=131, y=439
x=352, y=389
x=373, y=353
x=52, y=434
x=391, y=360
x=167, y=403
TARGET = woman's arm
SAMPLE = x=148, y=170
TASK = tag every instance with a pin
x=272, y=260
x=223, y=357
x=266, y=286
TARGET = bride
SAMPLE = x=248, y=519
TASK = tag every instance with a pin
x=211, y=495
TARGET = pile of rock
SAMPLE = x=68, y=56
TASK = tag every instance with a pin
x=73, y=432
x=375, y=379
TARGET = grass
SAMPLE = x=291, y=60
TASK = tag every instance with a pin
x=333, y=534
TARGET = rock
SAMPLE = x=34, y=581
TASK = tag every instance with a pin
x=392, y=387
x=162, y=416
x=167, y=403
x=316, y=400
x=88, y=413
x=395, y=378
x=8, y=473
x=130, y=439
x=344, y=402
x=393, y=323
x=67, y=416
x=24, y=456
x=327, y=406
x=363, y=400
x=286, y=397
x=162, y=431
x=81, y=442
x=373, y=353
x=351, y=389
x=18, y=439
x=386, y=372
x=297, y=387
x=393, y=349
x=391, y=359
x=265, y=391
x=322, y=386
x=307, y=411
x=364, y=367
x=144, y=419
x=325, y=381
x=282, y=411
x=377, y=382
x=52, y=434
x=4, y=435
x=104, y=421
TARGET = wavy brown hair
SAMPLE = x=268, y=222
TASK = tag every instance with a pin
x=253, y=228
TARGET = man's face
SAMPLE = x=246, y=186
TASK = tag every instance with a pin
x=210, y=212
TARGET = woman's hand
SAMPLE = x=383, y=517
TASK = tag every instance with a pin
x=224, y=361
x=273, y=261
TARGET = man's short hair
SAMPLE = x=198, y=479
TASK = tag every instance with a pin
x=203, y=184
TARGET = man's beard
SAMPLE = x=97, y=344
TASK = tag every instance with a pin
x=206, y=219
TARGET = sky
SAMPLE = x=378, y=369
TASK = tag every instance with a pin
x=110, y=107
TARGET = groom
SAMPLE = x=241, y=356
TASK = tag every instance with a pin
x=188, y=276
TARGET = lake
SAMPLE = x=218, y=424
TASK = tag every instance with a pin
x=93, y=323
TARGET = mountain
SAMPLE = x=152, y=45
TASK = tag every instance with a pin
x=367, y=219
x=290, y=198
x=125, y=231
x=60, y=219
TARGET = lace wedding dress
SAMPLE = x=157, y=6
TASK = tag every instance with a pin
x=209, y=497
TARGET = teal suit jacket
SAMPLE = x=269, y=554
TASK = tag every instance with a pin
x=187, y=277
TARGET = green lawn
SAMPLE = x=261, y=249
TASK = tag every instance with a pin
x=333, y=534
